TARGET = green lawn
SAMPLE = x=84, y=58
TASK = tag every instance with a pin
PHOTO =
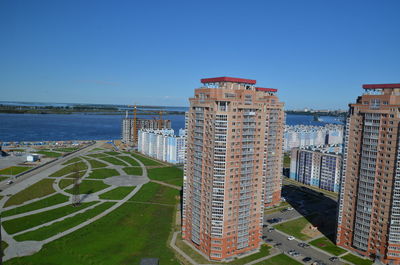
x=73, y=160
x=135, y=171
x=112, y=153
x=146, y=161
x=171, y=175
x=98, y=155
x=98, y=149
x=96, y=164
x=70, y=169
x=129, y=160
x=3, y=178
x=49, y=201
x=65, y=183
x=357, y=260
x=103, y=173
x=73, y=175
x=279, y=260
x=113, y=161
x=325, y=244
x=66, y=149
x=53, y=229
x=37, y=190
x=4, y=245
x=294, y=228
x=90, y=186
x=14, y=170
x=153, y=192
x=26, y=222
x=104, y=242
x=49, y=153
x=116, y=194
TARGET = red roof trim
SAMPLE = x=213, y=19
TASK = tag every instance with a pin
x=266, y=89
x=378, y=86
x=227, y=79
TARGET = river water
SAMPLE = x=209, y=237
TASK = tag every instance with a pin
x=52, y=127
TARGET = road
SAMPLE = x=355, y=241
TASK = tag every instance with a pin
x=50, y=164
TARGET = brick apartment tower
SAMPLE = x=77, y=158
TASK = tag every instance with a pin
x=369, y=202
x=233, y=165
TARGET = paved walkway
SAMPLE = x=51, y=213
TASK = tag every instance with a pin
x=18, y=249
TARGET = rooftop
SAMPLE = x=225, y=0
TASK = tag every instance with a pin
x=380, y=86
x=227, y=79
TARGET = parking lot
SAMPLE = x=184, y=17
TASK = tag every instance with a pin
x=301, y=203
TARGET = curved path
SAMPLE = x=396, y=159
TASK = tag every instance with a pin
x=25, y=248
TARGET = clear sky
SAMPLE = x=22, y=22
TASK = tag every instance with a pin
x=318, y=53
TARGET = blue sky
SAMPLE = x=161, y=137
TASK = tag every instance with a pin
x=317, y=53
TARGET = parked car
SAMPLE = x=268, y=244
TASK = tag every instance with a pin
x=333, y=259
x=306, y=259
x=10, y=182
x=291, y=238
x=289, y=208
x=271, y=229
x=278, y=244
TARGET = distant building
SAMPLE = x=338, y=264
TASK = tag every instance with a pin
x=163, y=145
x=316, y=167
x=127, y=128
x=306, y=135
x=32, y=158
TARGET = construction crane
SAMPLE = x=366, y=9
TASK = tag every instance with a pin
x=134, y=133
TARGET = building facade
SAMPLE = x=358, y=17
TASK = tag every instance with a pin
x=163, y=145
x=128, y=128
x=233, y=165
x=316, y=167
x=369, y=202
x=307, y=135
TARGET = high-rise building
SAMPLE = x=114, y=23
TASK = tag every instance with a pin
x=163, y=144
x=369, y=202
x=128, y=128
x=316, y=167
x=233, y=165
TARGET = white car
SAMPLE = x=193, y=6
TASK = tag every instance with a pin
x=10, y=182
x=291, y=238
x=289, y=208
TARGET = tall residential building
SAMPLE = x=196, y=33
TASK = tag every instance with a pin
x=316, y=167
x=233, y=165
x=127, y=128
x=369, y=203
x=163, y=144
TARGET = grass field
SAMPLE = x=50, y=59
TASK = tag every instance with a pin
x=37, y=190
x=49, y=201
x=112, y=153
x=279, y=260
x=357, y=260
x=153, y=192
x=26, y=222
x=4, y=245
x=103, y=173
x=129, y=160
x=66, y=149
x=3, y=178
x=116, y=194
x=70, y=169
x=90, y=186
x=53, y=229
x=114, y=161
x=98, y=155
x=294, y=228
x=146, y=161
x=171, y=175
x=96, y=164
x=73, y=160
x=65, y=183
x=49, y=153
x=14, y=170
x=325, y=244
x=134, y=223
x=135, y=171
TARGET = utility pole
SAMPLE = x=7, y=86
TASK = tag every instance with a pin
x=76, y=200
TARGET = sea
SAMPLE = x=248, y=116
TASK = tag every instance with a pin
x=64, y=127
